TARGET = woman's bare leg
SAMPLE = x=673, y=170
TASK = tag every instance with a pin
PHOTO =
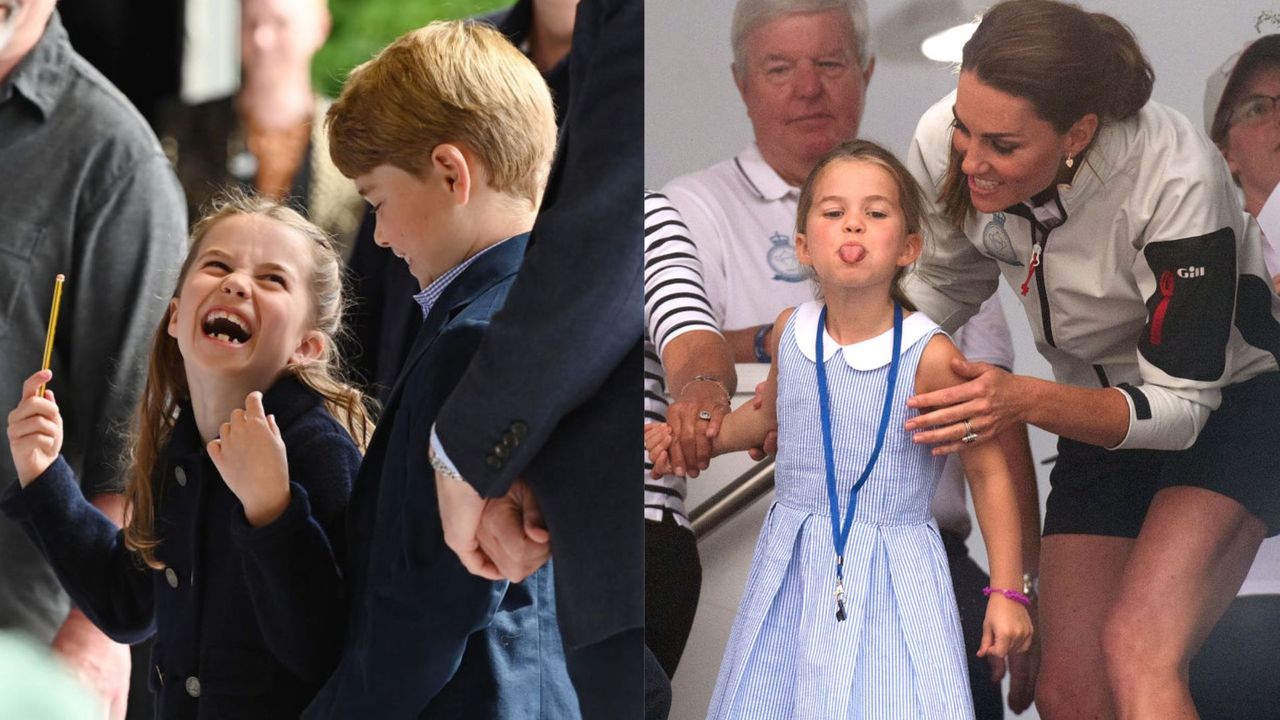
x=1079, y=581
x=1194, y=550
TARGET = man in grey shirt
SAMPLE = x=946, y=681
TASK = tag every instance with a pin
x=84, y=190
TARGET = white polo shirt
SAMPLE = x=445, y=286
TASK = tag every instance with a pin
x=742, y=216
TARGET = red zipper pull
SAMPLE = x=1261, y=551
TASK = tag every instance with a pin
x=1032, y=264
x=1157, y=317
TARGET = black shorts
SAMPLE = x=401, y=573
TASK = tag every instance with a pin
x=1095, y=491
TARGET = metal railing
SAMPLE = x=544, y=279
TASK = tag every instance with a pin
x=732, y=499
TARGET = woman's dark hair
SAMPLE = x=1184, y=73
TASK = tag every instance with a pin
x=1066, y=62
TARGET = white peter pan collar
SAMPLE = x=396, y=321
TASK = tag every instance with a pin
x=868, y=354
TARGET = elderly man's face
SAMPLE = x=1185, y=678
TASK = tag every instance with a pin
x=280, y=36
x=803, y=88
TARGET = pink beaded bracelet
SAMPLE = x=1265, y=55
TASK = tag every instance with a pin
x=1013, y=595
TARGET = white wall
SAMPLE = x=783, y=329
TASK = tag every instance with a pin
x=694, y=118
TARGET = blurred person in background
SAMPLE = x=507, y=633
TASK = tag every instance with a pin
x=1233, y=675
x=268, y=136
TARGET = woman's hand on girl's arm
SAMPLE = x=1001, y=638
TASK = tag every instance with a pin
x=993, y=399
x=35, y=429
x=250, y=455
x=988, y=397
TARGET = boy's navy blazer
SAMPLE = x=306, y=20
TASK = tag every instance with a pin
x=426, y=638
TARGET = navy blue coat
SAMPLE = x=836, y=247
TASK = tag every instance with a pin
x=426, y=638
x=563, y=361
x=248, y=621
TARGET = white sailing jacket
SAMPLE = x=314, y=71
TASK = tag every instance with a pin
x=1154, y=283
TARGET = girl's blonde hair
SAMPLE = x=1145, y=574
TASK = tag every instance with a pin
x=910, y=198
x=166, y=386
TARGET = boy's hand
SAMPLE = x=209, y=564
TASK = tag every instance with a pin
x=35, y=430
x=1006, y=629
x=461, y=509
x=657, y=442
x=249, y=454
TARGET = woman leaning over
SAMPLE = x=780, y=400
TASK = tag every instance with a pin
x=1112, y=218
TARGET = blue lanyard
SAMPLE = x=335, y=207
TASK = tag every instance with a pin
x=840, y=530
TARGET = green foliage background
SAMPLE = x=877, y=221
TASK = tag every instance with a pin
x=363, y=27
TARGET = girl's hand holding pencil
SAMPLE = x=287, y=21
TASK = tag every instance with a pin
x=250, y=455
x=35, y=426
x=35, y=429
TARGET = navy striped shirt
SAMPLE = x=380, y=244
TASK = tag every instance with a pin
x=674, y=304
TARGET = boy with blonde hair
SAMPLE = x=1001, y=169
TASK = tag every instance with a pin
x=449, y=133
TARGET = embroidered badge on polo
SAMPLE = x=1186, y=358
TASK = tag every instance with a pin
x=995, y=239
x=782, y=259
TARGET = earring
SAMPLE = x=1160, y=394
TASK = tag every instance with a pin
x=1071, y=161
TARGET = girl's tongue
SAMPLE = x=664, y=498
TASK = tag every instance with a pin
x=852, y=253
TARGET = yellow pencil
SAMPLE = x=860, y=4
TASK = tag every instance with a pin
x=53, y=326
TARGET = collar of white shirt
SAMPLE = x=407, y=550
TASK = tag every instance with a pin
x=768, y=184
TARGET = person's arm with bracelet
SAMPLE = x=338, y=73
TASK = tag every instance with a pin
x=702, y=380
x=700, y=376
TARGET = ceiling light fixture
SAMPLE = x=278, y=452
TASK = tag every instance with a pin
x=948, y=45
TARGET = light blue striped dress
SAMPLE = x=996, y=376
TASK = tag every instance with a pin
x=900, y=654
